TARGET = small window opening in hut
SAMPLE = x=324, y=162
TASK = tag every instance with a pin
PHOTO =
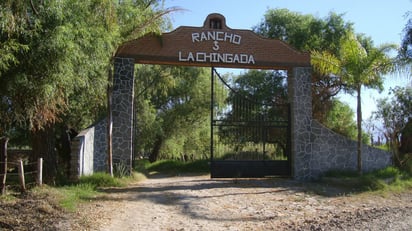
x=215, y=24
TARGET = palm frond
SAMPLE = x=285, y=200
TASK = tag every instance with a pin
x=325, y=63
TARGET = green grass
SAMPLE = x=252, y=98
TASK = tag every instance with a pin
x=100, y=179
x=386, y=173
x=387, y=179
x=384, y=147
x=87, y=188
x=173, y=167
x=341, y=174
x=141, y=166
x=71, y=196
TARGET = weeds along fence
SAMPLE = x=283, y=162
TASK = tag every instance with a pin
x=21, y=178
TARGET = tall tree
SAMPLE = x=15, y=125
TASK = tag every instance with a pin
x=405, y=50
x=58, y=57
x=14, y=22
x=34, y=88
x=396, y=116
x=308, y=33
x=173, y=104
x=134, y=18
x=359, y=64
x=340, y=119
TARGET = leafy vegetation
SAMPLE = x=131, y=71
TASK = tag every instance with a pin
x=358, y=64
x=340, y=119
x=342, y=60
x=405, y=51
x=308, y=33
x=55, y=65
x=101, y=179
x=173, y=167
x=396, y=116
x=387, y=179
x=70, y=195
x=172, y=109
x=253, y=121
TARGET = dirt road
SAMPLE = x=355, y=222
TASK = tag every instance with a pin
x=201, y=203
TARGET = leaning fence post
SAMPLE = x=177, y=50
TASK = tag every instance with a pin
x=40, y=172
x=21, y=175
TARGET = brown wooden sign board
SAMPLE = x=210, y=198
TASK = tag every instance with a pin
x=213, y=45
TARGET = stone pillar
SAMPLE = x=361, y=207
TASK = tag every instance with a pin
x=122, y=111
x=300, y=95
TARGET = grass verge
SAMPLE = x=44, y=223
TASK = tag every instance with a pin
x=389, y=179
x=70, y=195
x=172, y=167
x=87, y=188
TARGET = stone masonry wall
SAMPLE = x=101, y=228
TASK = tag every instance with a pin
x=122, y=111
x=301, y=117
x=332, y=151
x=100, y=146
x=315, y=148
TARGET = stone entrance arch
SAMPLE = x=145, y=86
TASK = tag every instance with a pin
x=314, y=148
x=213, y=45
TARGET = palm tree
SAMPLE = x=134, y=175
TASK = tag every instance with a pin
x=359, y=64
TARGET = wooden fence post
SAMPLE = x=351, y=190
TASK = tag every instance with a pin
x=3, y=163
x=21, y=176
x=40, y=172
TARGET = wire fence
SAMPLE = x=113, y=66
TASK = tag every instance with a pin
x=21, y=178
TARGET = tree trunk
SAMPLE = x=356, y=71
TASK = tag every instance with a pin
x=3, y=163
x=359, y=126
x=109, y=123
x=156, y=149
x=394, y=145
x=63, y=147
x=43, y=145
x=405, y=145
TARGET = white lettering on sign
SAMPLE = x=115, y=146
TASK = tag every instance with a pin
x=204, y=57
x=216, y=57
x=216, y=36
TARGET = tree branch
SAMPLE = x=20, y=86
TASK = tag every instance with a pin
x=33, y=8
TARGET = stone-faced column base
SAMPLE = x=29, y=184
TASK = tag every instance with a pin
x=122, y=112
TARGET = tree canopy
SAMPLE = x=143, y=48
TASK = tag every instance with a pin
x=56, y=56
x=340, y=119
x=56, y=65
x=405, y=50
x=255, y=117
x=396, y=117
x=172, y=105
x=358, y=64
x=341, y=59
x=308, y=33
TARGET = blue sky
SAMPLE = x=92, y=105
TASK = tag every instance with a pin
x=382, y=20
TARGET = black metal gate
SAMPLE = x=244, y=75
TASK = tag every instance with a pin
x=249, y=136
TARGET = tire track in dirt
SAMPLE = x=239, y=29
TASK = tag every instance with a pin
x=201, y=203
